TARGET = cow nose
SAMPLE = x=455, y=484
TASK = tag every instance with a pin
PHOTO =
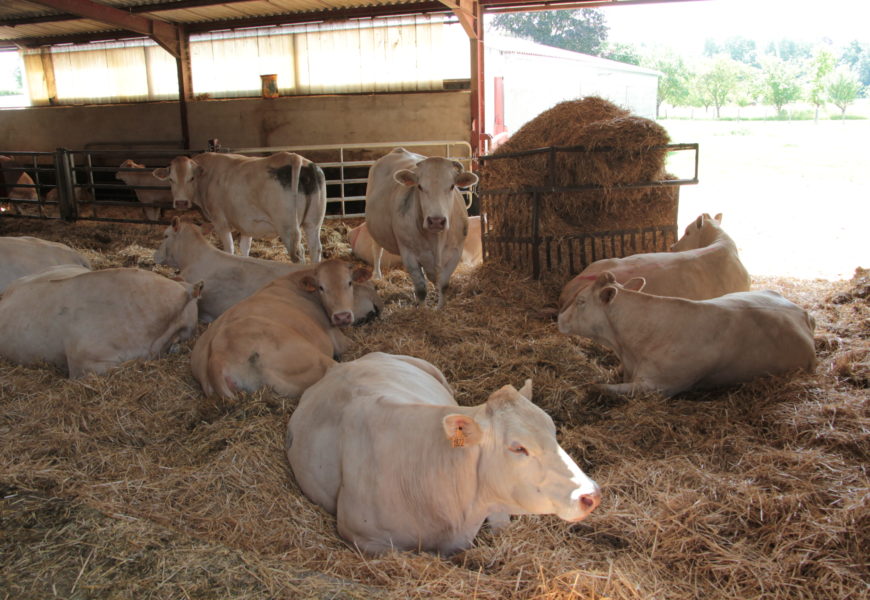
x=436, y=223
x=589, y=502
x=342, y=319
x=181, y=204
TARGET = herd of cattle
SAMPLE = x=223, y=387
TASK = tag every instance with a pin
x=677, y=320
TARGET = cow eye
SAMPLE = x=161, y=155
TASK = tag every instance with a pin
x=419, y=187
x=518, y=449
x=320, y=287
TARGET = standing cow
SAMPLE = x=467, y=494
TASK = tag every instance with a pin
x=414, y=209
x=258, y=197
x=145, y=177
x=381, y=443
x=670, y=345
x=285, y=336
x=94, y=320
x=702, y=264
x=28, y=255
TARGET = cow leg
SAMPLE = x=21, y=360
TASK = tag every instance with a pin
x=291, y=236
x=312, y=235
x=226, y=238
x=377, y=254
x=245, y=245
x=444, y=274
x=412, y=266
x=625, y=389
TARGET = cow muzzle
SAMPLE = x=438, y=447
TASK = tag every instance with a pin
x=342, y=319
x=436, y=223
x=588, y=502
x=181, y=205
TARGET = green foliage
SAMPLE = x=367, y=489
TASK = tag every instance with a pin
x=790, y=50
x=625, y=53
x=739, y=48
x=821, y=66
x=583, y=30
x=675, y=82
x=718, y=81
x=843, y=89
x=857, y=57
x=781, y=83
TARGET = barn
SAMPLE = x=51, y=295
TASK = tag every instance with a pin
x=134, y=483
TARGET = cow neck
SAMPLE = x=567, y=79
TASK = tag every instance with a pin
x=194, y=248
x=633, y=303
x=312, y=304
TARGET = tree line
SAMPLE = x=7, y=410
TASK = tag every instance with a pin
x=733, y=71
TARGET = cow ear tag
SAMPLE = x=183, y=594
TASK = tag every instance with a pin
x=458, y=439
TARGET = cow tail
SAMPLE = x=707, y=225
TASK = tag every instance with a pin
x=217, y=379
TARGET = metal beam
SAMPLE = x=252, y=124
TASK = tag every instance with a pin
x=145, y=8
x=161, y=32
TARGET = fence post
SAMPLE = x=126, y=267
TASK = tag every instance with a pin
x=65, y=193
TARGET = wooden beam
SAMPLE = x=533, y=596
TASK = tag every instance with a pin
x=163, y=33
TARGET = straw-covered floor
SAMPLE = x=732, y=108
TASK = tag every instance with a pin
x=132, y=485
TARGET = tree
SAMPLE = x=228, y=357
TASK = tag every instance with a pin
x=718, y=81
x=790, y=50
x=822, y=65
x=625, y=53
x=780, y=83
x=843, y=88
x=742, y=50
x=857, y=57
x=674, y=82
x=584, y=30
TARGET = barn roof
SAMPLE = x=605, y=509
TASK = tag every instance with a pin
x=30, y=23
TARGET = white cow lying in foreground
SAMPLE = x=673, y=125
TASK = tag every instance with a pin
x=414, y=209
x=284, y=336
x=381, y=443
x=670, y=345
x=95, y=320
x=230, y=279
x=28, y=255
x=702, y=264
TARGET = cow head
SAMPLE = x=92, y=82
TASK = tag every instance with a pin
x=127, y=164
x=175, y=238
x=700, y=233
x=436, y=181
x=183, y=174
x=522, y=468
x=583, y=314
x=332, y=281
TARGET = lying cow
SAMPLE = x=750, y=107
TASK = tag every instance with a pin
x=258, y=197
x=28, y=255
x=365, y=248
x=381, y=443
x=703, y=264
x=145, y=177
x=16, y=185
x=670, y=345
x=284, y=336
x=228, y=278
x=93, y=321
x=414, y=209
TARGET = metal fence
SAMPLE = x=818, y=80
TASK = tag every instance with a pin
x=86, y=184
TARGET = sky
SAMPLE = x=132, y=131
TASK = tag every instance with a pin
x=685, y=25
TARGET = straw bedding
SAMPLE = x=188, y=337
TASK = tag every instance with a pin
x=132, y=485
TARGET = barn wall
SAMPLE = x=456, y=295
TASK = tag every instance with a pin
x=244, y=122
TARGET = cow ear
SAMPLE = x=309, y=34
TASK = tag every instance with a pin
x=718, y=218
x=197, y=289
x=176, y=224
x=206, y=228
x=699, y=222
x=462, y=430
x=406, y=177
x=308, y=283
x=604, y=278
x=526, y=390
x=465, y=179
x=635, y=284
x=162, y=173
x=607, y=294
x=361, y=275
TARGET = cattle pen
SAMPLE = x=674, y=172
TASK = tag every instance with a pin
x=133, y=484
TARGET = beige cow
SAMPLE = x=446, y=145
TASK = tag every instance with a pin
x=258, y=197
x=670, y=345
x=414, y=209
x=145, y=177
x=381, y=443
x=28, y=255
x=229, y=278
x=365, y=248
x=284, y=336
x=702, y=264
x=15, y=185
x=93, y=321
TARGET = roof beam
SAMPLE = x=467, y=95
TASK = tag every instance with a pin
x=165, y=34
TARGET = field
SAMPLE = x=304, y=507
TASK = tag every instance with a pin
x=133, y=485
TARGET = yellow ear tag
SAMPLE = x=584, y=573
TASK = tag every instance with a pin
x=458, y=439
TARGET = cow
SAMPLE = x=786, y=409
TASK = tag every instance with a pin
x=84, y=199
x=380, y=443
x=414, y=209
x=702, y=264
x=670, y=345
x=28, y=255
x=23, y=187
x=364, y=247
x=229, y=278
x=145, y=177
x=95, y=320
x=259, y=197
x=284, y=336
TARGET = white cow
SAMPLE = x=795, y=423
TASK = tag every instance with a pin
x=381, y=443
x=145, y=177
x=670, y=345
x=258, y=197
x=93, y=321
x=28, y=255
x=703, y=264
x=414, y=209
x=229, y=278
